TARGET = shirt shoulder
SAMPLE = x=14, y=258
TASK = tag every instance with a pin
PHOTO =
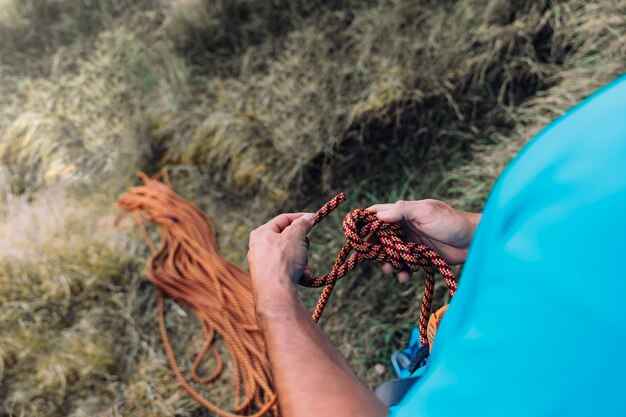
x=543, y=285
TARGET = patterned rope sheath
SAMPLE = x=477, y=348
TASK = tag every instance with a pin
x=393, y=248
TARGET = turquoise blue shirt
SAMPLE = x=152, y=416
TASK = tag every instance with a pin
x=538, y=325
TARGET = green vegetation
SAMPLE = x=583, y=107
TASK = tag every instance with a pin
x=254, y=107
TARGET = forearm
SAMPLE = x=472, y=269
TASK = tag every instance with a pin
x=311, y=377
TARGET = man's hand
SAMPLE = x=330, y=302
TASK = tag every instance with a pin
x=434, y=224
x=277, y=256
x=311, y=377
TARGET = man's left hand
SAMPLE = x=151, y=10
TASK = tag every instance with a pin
x=278, y=256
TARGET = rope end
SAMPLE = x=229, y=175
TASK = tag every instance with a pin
x=327, y=208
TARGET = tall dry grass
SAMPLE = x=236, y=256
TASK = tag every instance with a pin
x=86, y=123
x=589, y=47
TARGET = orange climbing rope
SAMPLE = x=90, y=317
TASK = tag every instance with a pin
x=188, y=267
x=359, y=226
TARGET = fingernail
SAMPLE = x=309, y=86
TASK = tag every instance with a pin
x=308, y=216
x=383, y=213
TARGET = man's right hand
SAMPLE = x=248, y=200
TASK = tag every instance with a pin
x=434, y=224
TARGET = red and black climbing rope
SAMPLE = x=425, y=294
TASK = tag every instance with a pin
x=391, y=246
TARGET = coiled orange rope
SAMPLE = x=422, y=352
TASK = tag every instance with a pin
x=188, y=267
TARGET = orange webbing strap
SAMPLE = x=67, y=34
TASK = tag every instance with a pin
x=188, y=267
x=359, y=227
x=433, y=325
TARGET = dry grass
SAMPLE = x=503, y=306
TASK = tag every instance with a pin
x=87, y=124
x=78, y=323
x=213, y=35
x=34, y=32
x=256, y=107
x=62, y=277
x=342, y=91
x=590, y=46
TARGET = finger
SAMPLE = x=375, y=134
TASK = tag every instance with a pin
x=404, y=277
x=301, y=226
x=380, y=207
x=280, y=222
x=387, y=268
x=308, y=272
x=397, y=212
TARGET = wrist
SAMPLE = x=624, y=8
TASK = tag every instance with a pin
x=276, y=295
x=472, y=220
x=280, y=310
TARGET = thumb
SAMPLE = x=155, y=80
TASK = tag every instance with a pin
x=397, y=212
x=301, y=226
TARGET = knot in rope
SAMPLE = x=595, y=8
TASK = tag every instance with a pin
x=371, y=239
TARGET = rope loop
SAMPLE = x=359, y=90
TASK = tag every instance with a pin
x=393, y=248
x=371, y=239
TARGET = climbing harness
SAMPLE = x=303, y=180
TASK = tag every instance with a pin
x=188, y=267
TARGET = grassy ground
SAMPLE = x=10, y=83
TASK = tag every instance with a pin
x=254, y=107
